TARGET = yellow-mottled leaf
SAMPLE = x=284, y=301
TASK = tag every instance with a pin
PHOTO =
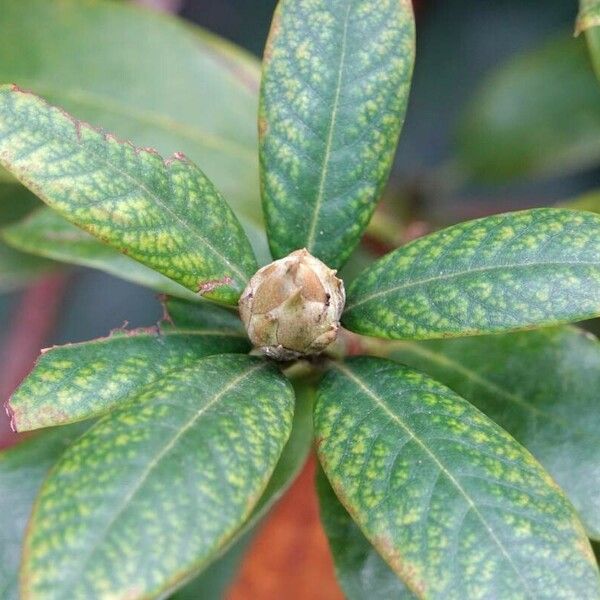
x=334, y=92
x=156, y=489
x=453, y=503
x=150, y=78
x=78, y=381
x=45, y=233
x=500, y=273
x=164, y=213
x=541, y=386
x=22, y=470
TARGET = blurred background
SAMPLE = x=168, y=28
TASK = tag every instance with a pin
x=504, y=114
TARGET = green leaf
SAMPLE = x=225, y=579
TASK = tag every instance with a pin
x=16, y=202
x=45, y=233
x=588, y=20
x=589, y=15
x=589, y=201
x=155, y=489
x=203, y=315
x=149, y=78
x=165, y=214
x=537, y=115
x=541, y=387
x=360, y=570
x=294, y=454
x=214, y=579
x=22, y=469
x=78, y=381
x=506, y=272
x=18, y=269
x=592, y=36
x=335, y=85
x=454, y=504
x=6, y=177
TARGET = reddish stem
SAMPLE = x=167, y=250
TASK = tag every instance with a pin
x=30, y=328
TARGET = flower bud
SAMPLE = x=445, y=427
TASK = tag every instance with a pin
x=292, y=307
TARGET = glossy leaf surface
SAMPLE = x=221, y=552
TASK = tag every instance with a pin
x=293, y=457
x=22, y=469
x=45, y=233
x=78, y=381
x=500, y=273
x=165, y=214
x=454, y=504
x=290, y=462
x=334, y=91
x=149, y=78
x=537, y=115
x=541, y=386
x=588, y=21
x=165, y=480
x=360, y=570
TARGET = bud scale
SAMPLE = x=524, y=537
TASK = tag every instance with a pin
x=292, y=307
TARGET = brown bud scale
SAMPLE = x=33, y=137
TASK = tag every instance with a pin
x=292, y=307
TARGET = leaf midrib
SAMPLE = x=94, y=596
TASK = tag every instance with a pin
x=453, y=481
x=152, y=465
x=310, y=243
x=458, y=274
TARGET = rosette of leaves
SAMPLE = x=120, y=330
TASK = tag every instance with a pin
x=453, y=468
